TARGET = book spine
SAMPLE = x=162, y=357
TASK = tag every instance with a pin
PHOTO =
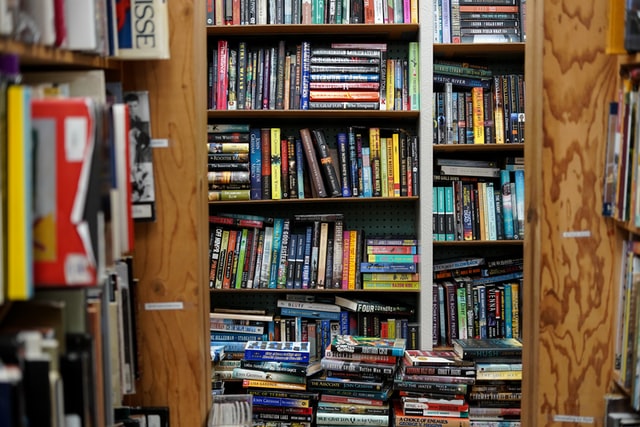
x=276, y=164
x=312, y=162
x=343, y=154
x=327, y=162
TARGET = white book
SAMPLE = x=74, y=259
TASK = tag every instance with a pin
x=145, y=32
x=470, y=171
x=80, y=19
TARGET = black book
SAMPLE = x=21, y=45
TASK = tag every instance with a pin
x=326, y=163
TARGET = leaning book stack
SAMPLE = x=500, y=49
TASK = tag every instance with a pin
x=497, y=392
x=433, y=385
x=275, y=373
x=228, y=162
x=356, y=385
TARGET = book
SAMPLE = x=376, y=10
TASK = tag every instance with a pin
x=67, y=193
x=279, y=351
x=434, y=358
x=368, y=345
x=326, y=162
x=475, y=349
x=312, y=162
x=372, y=306
x=142, y=29
x=331, y=418
x=427, y=421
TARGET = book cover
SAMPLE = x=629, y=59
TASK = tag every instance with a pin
x=67, y=202
x=330, y=418
x=279, y=351
x=373, y=306
x=368, y=345
x=475, y=349
x=142, y=29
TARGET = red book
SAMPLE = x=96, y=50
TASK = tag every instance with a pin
x=68, y=192
x=222, y=83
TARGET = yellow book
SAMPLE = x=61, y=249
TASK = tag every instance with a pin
x=276, y=165
x=482, y=218
x=19, y=194
x=353, y=248
x=395, y=158
x=390, y=84
x=615, y=29
x=391, y=328
x=499, y=375
x=374, y=145
x=390, y=166
x=515, y=309
x=478, y=115
x=384, y=186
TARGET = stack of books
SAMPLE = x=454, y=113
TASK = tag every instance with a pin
x=391, y=250
x=230, y=329
x=275, y=373
x=357, y=381
x=388, y=320
x=497, y=392
x=228, y=162
x=433, y=385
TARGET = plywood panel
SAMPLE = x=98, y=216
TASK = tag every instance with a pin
x=171, y=253
x=569, y=281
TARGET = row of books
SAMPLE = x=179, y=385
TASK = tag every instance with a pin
x=306, y=252
x=469, y=21
x=101, y=27
x=71, y=194
x=266, y=163
x=620, y=195
x=478, y=307
x=477, y=207
x=263, y=12
x=306, y=77
x=479, y=109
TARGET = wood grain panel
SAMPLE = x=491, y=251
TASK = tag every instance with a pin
x=170, y=254
x=569, y=281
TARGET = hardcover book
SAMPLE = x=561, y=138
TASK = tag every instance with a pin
x=279, y=351
x=476, y=349
x=141, y=29
x=368, y=345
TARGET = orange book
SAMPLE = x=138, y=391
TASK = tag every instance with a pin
x=228, y=265
x=346, y=247
x=478, y=114
x=353, y=249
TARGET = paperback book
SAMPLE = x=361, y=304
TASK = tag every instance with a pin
x=368, y=345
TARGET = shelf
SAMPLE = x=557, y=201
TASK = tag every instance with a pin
x=388, y=31
x=314, y=291
x=478, y=243
x=332, y=200
x=479, y=50
x=467, y=148
x=32, y=55
x=312, y=114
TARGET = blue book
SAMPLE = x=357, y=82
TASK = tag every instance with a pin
x=309, y=314
x=499, y=278
x=388, y=267
x=300, y=167
x=255, y=157
x=353, y=162
x=507, y=200
x=519, y=180
x=508, y=311
x=449, y=214
x=306, y=264
x=236, y=337
x=230, y=346
x=367, y=184
x=284, y=351
x=275, y=252
x=343, y=157
x=305, y=75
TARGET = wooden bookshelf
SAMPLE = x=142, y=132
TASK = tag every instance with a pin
x=570, y=283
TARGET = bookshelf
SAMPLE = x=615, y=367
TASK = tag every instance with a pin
x=570, y=282
x=172, y=309
x=368, y=213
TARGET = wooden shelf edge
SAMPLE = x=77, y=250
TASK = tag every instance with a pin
x=310, y=114
x=479, y=243
x=337, y=200
x=316, y=291
x=477, y=147
x=390, y=31
x=37, y=54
